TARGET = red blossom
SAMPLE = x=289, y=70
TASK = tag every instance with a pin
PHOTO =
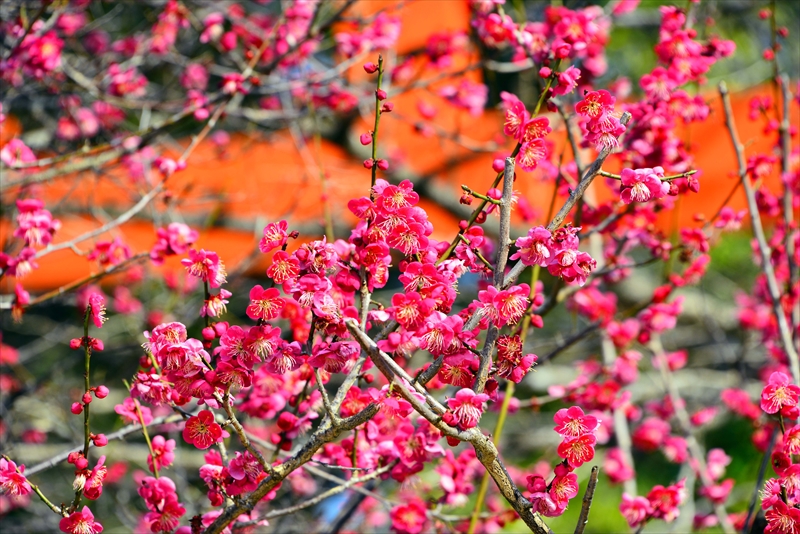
x=201, y=430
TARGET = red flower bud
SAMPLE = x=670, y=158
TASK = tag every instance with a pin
x=387, y=107
x=370, y=67
x=286, y=421
x=96, y=344
x=382, y=164
x=453, y=442
x=764, y=14
x=87, y=398
x=498, y=164
x=783, y=31
x=545, y=72
x=366, y=138
x=100, y=440
x=481, y=218
x=75, y=343
x=220, y=328
x=465, y=199
x=76, y=408
x=208, y=333
x=101, y=392
x=81, y=463
x=769, y=54
x=368, y=163
x=228, y=41
x=381, y=94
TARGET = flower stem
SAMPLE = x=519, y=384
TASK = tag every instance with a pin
x=375, y=129
x=87, y=351
x=147, y=438
x=474, y=215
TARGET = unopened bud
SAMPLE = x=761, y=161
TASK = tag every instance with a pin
x=382, y=164
x=75, y=343
x=370, y=67
x=76, y=408
x=381, y=94
x=387, y=107
x=465, y=199
x=481, y=218
x=498, y=165
x=368, y=163
x=208, y=333
x=101, y=392
x=100, y=440
x=87, y=398
x=366, y=138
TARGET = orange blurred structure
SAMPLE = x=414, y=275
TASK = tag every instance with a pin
x=231, y=194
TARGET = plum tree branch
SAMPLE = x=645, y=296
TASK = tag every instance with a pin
x=761, y=239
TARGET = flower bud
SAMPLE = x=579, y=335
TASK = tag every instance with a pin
x=87, y=398
x=286, y=445
x=368, y=163
x=366, y=138
x=382, y=164
x=387, y=107
x=228, y=41
x=286, y=421
x=369, y=379
x=220, y=328
x=462, y=224
x=81, y=463
x=769, y=54
x=764, y=14
x=100, y=440
x=453, y=442
x=76, y=343
x=498, y=165
x=481, y=218
x=76, y=408
x=101, y=392
x=545, y=72
x=381, y=94
x=370, y=67
x=783, y=31
x=694, y=184
x=96, y=344
x=465, y=199
x=208, y=333
x=494, y=193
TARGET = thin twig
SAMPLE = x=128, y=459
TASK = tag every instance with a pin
x=119, y=434
x=573, y=198
x=762, y=471
x=686, y=427
x=763, y=246
x=319, y=498
x=583, y=519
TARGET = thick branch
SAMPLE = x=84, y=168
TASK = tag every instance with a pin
x=485, y=450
